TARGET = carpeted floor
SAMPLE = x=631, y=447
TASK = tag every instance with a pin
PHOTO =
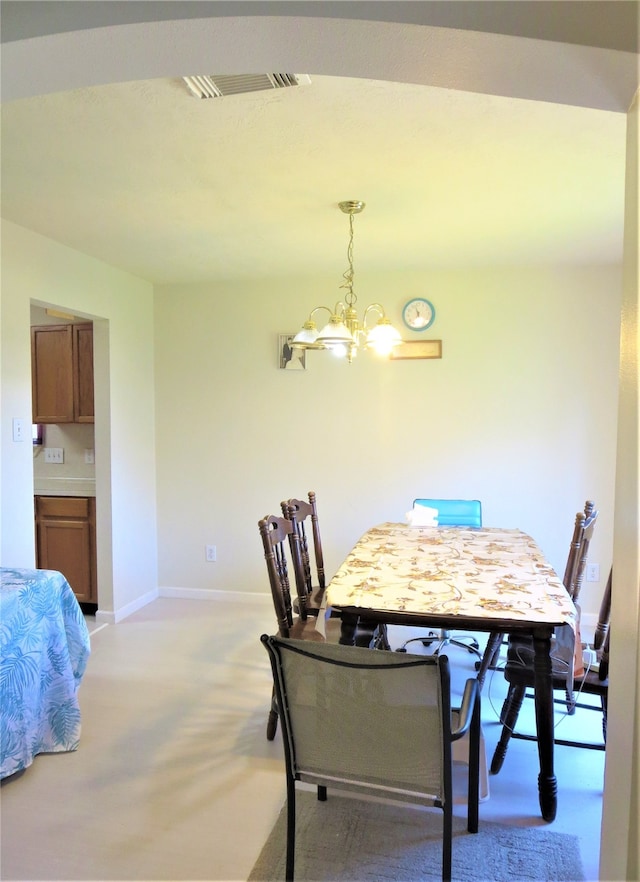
x=175, y=780
x=351, y=839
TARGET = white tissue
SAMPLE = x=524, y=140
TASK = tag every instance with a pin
x=422, y=516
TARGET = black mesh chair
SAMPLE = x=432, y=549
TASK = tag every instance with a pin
x=375, y=723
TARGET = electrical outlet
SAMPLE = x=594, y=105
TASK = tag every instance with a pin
x=593, y=572
x=54, y=454
x=210, y=551
x=89, y=455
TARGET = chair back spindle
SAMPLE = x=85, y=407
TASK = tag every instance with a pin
x=591, y=516
x=304, y=516
x=275, y=533
x=574, y=552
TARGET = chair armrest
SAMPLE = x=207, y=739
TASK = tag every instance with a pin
x=470, y=697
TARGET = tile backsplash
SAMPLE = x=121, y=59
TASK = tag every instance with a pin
x=74, y=439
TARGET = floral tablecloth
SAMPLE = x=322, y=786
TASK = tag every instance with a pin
x=44, y=647
x=482, y=573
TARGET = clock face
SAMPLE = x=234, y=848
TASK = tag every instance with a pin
x=418, y=314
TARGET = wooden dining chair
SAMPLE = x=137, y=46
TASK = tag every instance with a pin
x=374, y=723
x=577, y=562
x=572, y=580
x=304, y=516
x=520, y=674
x=284, y=567
x=310, y=594
x=451, y=513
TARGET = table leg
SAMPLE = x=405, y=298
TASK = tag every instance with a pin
x=547, y=782
x=361, y=632
x=348, y=627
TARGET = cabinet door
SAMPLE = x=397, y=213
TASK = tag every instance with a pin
x=65, y=530
x=52, y=374
x=83, y=372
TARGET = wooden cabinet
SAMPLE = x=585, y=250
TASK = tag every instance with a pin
x=62, y=373
x=66, y=541
x=83, y=373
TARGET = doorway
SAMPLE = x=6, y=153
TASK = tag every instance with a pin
x=64, y=449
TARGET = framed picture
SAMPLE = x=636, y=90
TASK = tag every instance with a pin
x=417, y=349
x=290, y=359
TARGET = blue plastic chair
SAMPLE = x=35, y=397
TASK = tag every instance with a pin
x=452, y=513
x=455, y=512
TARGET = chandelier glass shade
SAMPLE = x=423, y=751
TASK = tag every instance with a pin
x=344, y=333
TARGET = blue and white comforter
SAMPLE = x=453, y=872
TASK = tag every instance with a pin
x=44, y=647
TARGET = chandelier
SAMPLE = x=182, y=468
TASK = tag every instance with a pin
x=344, y=334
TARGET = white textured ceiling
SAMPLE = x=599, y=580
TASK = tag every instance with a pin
x=175, y=189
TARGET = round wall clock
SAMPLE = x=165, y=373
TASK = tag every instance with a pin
x=418, y=314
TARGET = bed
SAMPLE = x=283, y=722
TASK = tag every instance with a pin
x=44, y=648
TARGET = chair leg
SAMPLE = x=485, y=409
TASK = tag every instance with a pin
x=506, y=704
x=433, y=638
x=291, y=828
x=489, y=656
x=445, y=639
x=447, y=836
x=380, y=640
x=473, y=648
x=272, y=721
x=515, y=703
x=603, y=700
x=473, y=791
x=570, y=700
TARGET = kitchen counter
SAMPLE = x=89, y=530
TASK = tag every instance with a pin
x=64, y=487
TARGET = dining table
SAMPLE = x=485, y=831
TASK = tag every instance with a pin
x=486, y=579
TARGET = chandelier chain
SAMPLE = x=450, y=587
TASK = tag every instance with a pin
x=350, y=297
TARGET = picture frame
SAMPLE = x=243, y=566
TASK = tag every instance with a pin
x=290, y=359
x=411, y=349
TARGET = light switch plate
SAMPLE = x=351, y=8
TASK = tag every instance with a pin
x=19, y=429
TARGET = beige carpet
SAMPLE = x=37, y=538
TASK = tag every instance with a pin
x=351, y=839
x=175, y=780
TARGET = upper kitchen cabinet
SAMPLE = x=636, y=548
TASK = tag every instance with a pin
x=83, y=373
x=62, y=373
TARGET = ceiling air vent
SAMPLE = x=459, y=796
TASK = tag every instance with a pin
x=219, y=85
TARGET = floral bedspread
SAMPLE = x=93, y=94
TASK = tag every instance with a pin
x=44, y=648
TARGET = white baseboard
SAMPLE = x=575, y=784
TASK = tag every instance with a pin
x=216, y=594
x=112, y=618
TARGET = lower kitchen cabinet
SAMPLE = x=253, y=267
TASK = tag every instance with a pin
x=66, y=541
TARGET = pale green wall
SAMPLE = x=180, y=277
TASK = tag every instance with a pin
x=620, y=848
x=520, y=412
x=35, y=268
